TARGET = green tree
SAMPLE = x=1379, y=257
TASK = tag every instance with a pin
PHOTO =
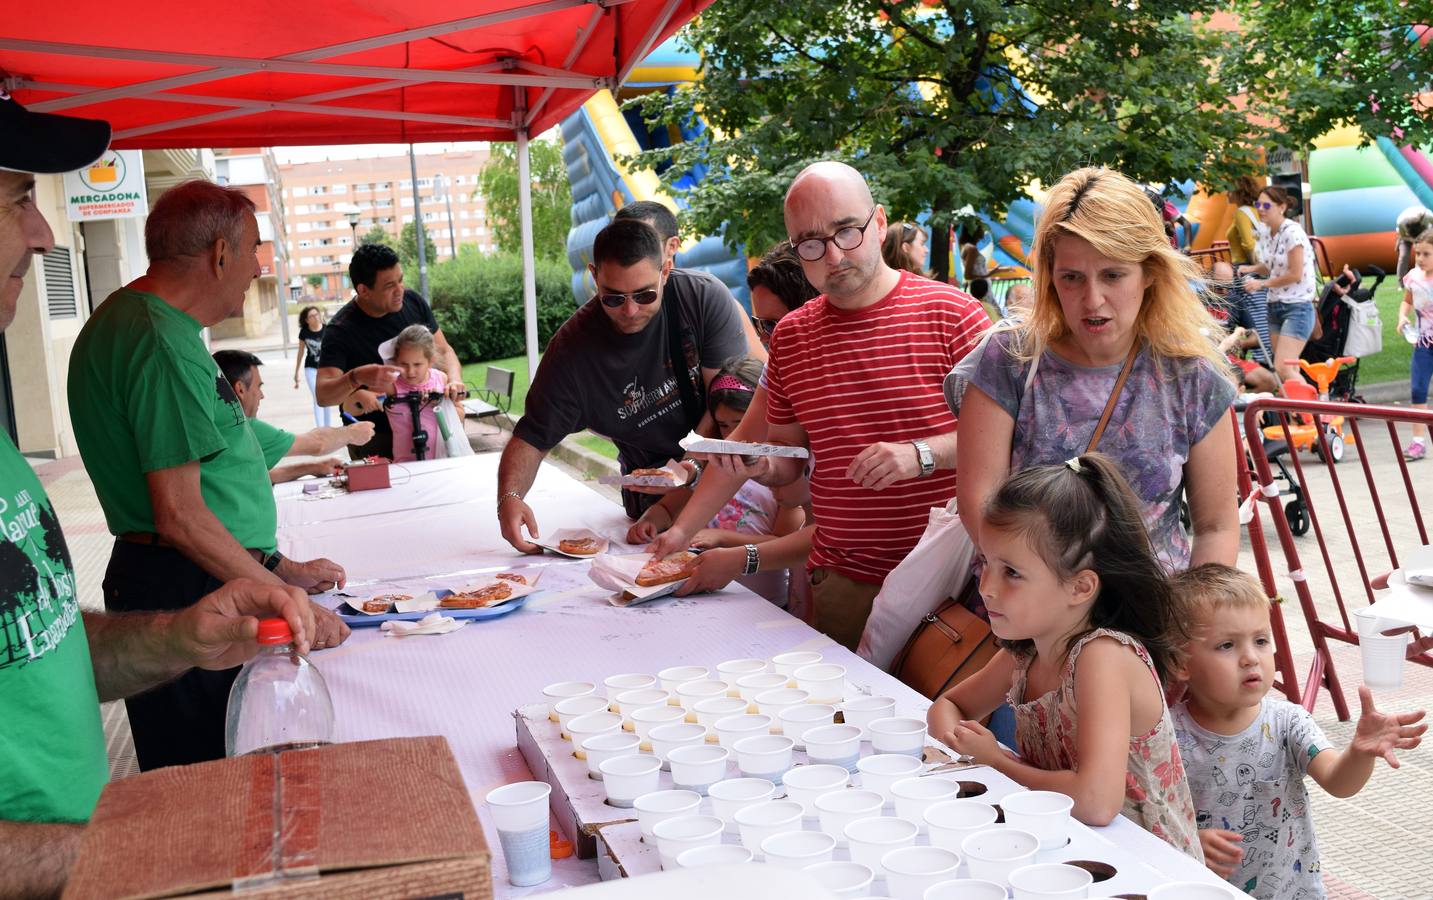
x=408, y=252
x=1311, y=65
x=376, y=235
x=947, y=108
x=315, y=281
x=551, y=198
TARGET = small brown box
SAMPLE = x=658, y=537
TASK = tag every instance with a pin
x=367, y=476
x=376, y=819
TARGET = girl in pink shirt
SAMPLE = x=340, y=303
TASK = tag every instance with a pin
x=413, y=352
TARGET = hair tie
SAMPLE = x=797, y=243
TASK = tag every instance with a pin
x=1074, y=464
x=730, y=383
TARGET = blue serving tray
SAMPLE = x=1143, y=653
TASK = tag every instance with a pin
x=356, y=619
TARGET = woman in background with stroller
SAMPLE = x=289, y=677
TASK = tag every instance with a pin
x=1285, y=268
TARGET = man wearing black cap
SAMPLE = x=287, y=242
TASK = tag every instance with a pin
x=57, y=663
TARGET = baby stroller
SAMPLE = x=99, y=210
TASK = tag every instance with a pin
x=1350, y=328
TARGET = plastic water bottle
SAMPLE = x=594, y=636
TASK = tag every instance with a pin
x=279, y=701
x=1410, y=332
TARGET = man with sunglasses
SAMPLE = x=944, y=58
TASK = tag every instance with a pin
x=856, y=375
x=631, y=365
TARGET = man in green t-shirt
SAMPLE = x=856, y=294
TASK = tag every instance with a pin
x=175, y=464
x=241, y=369
x=57, y=663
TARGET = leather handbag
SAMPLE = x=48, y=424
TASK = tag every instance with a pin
x=946, y=647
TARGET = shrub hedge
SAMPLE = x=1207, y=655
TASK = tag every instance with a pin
x=477, y=299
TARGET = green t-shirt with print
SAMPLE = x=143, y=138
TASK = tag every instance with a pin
x=145, y=395
x=52, y=751
x=274, y=442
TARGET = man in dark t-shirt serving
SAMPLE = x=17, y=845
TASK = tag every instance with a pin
x=609, y=368
x=350, y=371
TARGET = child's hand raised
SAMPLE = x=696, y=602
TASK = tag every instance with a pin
x=1222, y=850
x=1379, y=734
x=970, y=738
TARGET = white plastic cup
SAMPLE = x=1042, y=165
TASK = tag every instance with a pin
x=825, y=682
x=666, y=738
x=837, y=809
x=787, y=663
x=836, y=745
x=562, y=690
x=519, y=812
x=734, y=728
x=880, y=772
x=871, y=839
x=795, y=721
x=759, y=821
x=843, y=879
x=605, y=746
x=798, y=849
x=898, y=735
x=1050, y=881
x=748, y=686
x=992, y=854
x=910, y=870
x=677, y=835
x=708, y=711
x=763, y=756
x=913, y=796
x=690, y=693
x=613, y=685
x=1383, y=658
x=628, y=777
x=862, y=711
x=713, y=855
x=675, y=675
x=771, y=703
x=1045, y=814
x=572, y=707
x=583, y=727
x=965, y=889
x=659, y=806
x=697, y=767
x=629, y=702
x=805, y=783
x=733, y=794
x=950, y=822
x=733, y=670
x=1192, y=890
x=646, y=718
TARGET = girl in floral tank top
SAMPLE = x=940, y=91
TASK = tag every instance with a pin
x=1086, y=622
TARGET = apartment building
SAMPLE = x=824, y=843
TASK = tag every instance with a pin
x=255, y=172
x=328, y=206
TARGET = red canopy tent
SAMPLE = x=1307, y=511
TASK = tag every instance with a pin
x=271, y=73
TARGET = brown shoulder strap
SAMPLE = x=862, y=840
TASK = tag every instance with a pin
x=1114, y=396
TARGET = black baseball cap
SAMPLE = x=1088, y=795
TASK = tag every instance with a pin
x=47, y=144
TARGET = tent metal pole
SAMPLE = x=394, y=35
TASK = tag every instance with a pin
x=524, y=202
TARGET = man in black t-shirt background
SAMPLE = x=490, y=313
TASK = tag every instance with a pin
x=350, y=372
x=609, y=369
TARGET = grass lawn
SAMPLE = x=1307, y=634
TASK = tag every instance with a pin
x=475, y=374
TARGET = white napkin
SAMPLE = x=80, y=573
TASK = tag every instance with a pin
x=433, y=623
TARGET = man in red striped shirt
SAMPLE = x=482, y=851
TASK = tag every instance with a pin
x=856, y=375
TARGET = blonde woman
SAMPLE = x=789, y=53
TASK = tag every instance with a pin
x=1110, y=294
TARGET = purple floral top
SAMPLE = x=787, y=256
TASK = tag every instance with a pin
x=1167, y=406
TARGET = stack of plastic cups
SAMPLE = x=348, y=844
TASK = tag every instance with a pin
x=519, y=812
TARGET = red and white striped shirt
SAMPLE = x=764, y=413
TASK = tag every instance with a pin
x=851, y=379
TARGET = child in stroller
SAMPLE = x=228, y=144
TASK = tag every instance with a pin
x=1331, y=333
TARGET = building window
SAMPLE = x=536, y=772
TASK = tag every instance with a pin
x=304, y=245
x=302, y=226
x=318, y=189
x=405, y=201
x=340, y=188
x=300, y=209
x=300, y=191
x=384, y=203
x=59, y=267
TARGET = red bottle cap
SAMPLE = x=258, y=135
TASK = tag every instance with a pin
x=558, y=847
x=275, y=631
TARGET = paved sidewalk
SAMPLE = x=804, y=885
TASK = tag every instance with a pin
x=1376, y=844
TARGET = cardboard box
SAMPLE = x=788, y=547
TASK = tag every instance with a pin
x=374, y=819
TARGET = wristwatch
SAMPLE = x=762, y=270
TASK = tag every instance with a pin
x=924, y=456
x=753, y=560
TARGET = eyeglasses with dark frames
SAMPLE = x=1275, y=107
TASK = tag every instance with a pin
x=641, y=298
x=763, y=326
x=847, y=238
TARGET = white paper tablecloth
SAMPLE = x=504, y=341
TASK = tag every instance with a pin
x=466, y=685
